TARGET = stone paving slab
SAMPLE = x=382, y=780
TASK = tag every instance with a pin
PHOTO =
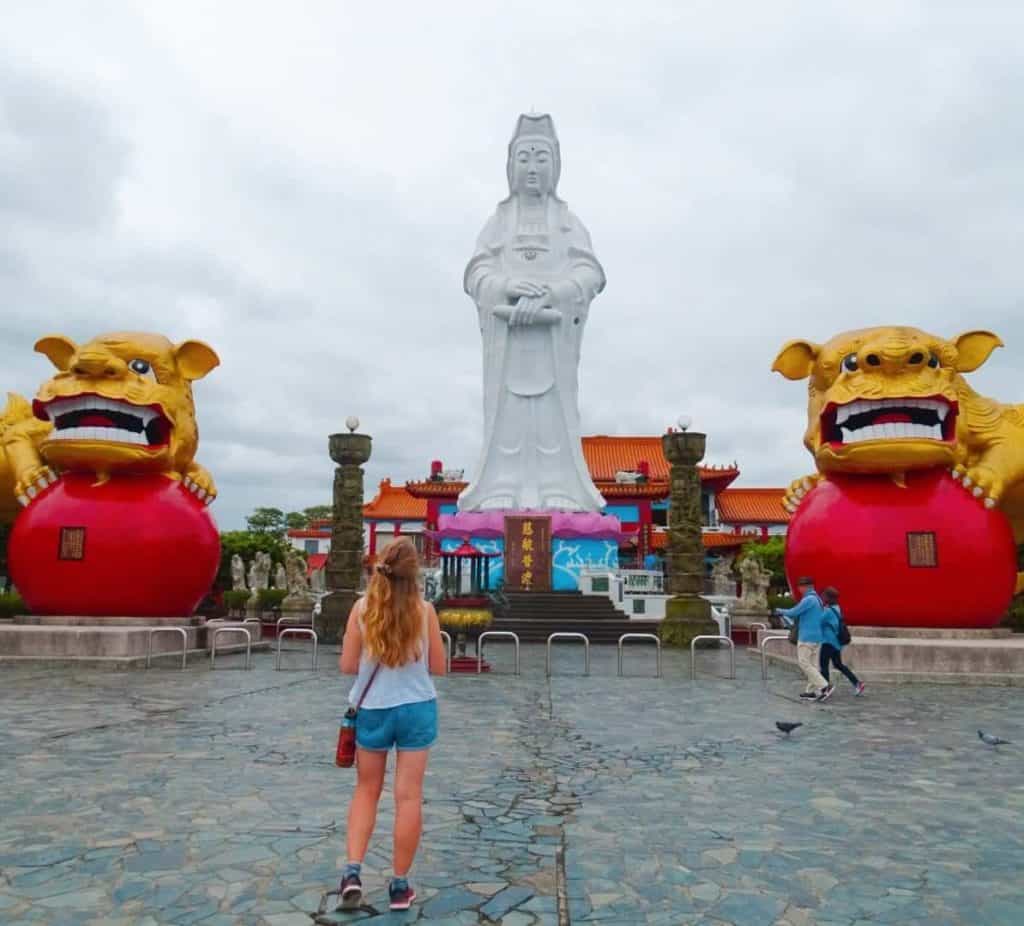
x=211, y=797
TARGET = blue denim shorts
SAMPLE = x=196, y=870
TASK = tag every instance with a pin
x=407, y=726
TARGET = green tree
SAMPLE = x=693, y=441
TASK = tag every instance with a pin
x=296, y=520
x=318, y=512
x=246, y=544
x=267, y=521
x=771, y=555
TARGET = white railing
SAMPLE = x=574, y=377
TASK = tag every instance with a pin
x=642, y=582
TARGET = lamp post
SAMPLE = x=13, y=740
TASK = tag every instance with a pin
x=686, y=614
x=345, y=561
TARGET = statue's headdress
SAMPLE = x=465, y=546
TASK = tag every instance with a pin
x=536, y=127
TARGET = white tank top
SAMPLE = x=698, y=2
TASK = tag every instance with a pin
x=405, y=684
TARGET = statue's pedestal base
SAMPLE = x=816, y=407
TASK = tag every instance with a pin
x=686, y=617
x=113, y=642
x=329, y=624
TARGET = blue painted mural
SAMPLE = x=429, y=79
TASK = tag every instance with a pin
x=568, y=557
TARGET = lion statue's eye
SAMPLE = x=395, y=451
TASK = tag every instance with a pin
x=933, y=361
x=850, y=363
x=142, y=368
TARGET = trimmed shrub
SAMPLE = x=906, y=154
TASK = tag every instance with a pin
x=11, y=604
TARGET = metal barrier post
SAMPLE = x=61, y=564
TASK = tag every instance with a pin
x=258, y=623
x=447, y=650
x=155, y=630
x=712, y=636
x=641, y=636
x=506, y=634
x=297, y=632
x=248, y=645
x=289, y=619
x=764, y=658
x=570, y=636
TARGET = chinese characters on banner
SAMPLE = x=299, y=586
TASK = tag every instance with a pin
x=528, y=553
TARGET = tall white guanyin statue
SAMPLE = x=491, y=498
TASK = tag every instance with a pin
x=533, y=276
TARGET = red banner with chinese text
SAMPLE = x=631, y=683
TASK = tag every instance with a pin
x=527, y=553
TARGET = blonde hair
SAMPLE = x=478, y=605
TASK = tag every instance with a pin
x=393, y=615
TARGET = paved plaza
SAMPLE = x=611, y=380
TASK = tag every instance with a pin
x=211, y=797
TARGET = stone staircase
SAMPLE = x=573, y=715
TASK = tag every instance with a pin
x=535, y=615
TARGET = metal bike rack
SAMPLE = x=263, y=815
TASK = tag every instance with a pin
x=155, y=630
x=297, y=632
x=288, y=619
x=257, y=623
x=448, y=650
x=567, y=635
x=495, y=634
x=764, y=657
x=712, y=636
x=248, y=644
x=641, y=636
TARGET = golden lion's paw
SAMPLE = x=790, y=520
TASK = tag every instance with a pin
x=200, y=484
x=32, y=483
x=981, y=481
x=798, y=489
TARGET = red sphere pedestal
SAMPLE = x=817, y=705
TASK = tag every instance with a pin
x=135, y=546
x=927, y=555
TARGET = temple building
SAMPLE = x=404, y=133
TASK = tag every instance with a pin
x=632, y=476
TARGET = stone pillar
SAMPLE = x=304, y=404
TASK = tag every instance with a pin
x=686, y=613
x=345, y=561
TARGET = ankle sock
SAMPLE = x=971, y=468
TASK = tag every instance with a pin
x=353, y=868
x=399, y=884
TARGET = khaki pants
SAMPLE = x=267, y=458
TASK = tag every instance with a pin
x=808, y=656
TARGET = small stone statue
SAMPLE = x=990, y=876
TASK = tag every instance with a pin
x=755, y=581
x=237, y=573
x=299, y=596
x=295, y=568
x=722, y=581
x=259, y=579
x=280, y=578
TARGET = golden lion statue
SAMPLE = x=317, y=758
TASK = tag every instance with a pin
x=888, y=400
x=121, y=402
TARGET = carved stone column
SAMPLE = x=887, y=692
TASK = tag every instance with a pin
x=345, y=561
x=686, y=613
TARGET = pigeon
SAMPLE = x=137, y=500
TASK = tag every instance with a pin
x=991, y=740
x=787, y=728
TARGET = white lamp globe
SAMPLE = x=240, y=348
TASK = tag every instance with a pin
x=685, y=422
x=352, y=422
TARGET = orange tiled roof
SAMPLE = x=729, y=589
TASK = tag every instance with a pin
x=712, y=540
x=309, y=533
x=394, y=503
x=606, y=455
x=751, y=506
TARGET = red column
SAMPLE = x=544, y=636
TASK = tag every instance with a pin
x=373, y=539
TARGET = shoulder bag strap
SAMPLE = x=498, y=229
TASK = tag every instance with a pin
x=362, y=697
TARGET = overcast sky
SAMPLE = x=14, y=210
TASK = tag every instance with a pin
x=301, y=185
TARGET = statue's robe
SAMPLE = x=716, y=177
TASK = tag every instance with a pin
x=532, y=454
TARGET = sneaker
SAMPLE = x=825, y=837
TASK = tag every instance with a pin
x=808, y=695
x=401, y=894
x=351, y=891
x=826, y=693
x=858, y=689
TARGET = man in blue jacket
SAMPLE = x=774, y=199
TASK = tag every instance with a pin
x=809, y=614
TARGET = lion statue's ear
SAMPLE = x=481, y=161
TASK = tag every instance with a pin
x=796, y=359
x=59, y=349
x=973, y=349
x=195, y=359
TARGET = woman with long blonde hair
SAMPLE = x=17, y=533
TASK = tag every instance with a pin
x=393, y=644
